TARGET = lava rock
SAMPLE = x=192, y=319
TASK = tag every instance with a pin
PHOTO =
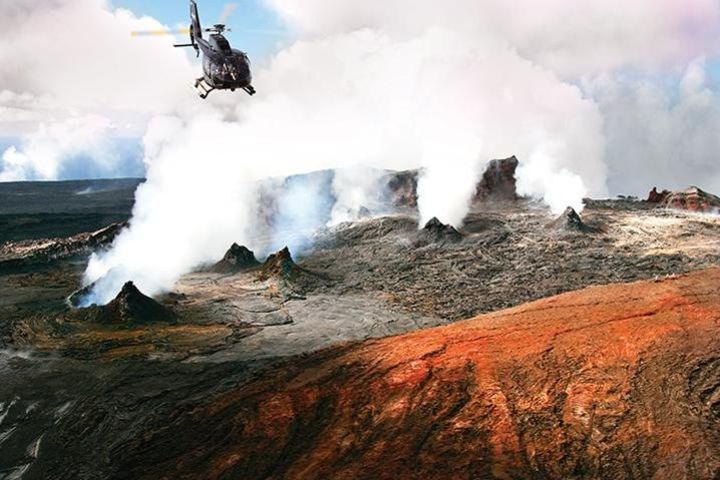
x=560, y=388
x=45, y=251
x=236, y=259
x=402, y=188
x=572, y=222
x=498, y=181
x=693, y=199
x=435, y=231
x=280, y=265
x=131, y=306
x=657, y=197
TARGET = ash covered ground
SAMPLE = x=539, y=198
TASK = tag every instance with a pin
x=79, y=385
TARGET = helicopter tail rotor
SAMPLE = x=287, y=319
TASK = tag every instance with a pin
x=145, y=33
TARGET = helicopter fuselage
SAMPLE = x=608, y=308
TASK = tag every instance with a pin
x=224, y=67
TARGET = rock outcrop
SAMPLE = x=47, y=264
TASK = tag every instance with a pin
x=657, y=197
x=611, y=382
x=496, y=184
x=693, y=199
x=498, y=181
x=236, y=259
x=402, y=188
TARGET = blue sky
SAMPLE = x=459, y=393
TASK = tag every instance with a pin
x=257, y=30
x=260, y=32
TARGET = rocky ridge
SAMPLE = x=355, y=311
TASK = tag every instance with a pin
x=611, y=382
x=693, y=199
x=17, y=255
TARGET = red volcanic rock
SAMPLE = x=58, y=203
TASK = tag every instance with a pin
x=611, y=382
x=279, y=264
x=657, y=197
x=694, y=200
x=498, y=181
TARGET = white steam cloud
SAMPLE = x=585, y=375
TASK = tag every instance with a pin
x=357, y=100
x=73, y=82
x=669, y=137
x=440, y=86
x=41, y=157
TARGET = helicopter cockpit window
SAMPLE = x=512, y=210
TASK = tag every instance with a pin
x=223, y=44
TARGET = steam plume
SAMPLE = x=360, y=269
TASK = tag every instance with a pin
x=441, y=86
x=360, y=99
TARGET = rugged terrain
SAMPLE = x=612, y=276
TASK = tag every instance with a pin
x=178, y=385
x=620, y=381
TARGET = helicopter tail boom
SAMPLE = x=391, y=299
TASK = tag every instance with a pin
x=195, y=29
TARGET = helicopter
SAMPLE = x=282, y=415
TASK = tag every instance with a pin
x=224, y=68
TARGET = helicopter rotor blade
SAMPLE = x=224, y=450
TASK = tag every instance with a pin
x=145, y=33
x=227, y=11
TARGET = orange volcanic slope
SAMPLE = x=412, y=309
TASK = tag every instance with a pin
x=619, y=381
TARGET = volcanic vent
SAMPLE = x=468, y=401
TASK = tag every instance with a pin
x=280, y=265
x=131, y=307
x=570, y=221
x=435, y=231
x=236, y=259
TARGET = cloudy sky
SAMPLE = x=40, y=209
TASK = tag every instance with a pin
x=77, y=91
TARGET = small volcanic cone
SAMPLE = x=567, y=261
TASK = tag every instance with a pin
x=572, y=222
x=236, y=259
x=693, y=199
x=131, y=306
x=657, y=197
x=280, y=265
x=435, y=231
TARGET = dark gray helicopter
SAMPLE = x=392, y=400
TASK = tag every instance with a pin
x=224, y=68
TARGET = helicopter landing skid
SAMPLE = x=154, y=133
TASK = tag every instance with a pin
x=203, y=88
x=249, y=89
